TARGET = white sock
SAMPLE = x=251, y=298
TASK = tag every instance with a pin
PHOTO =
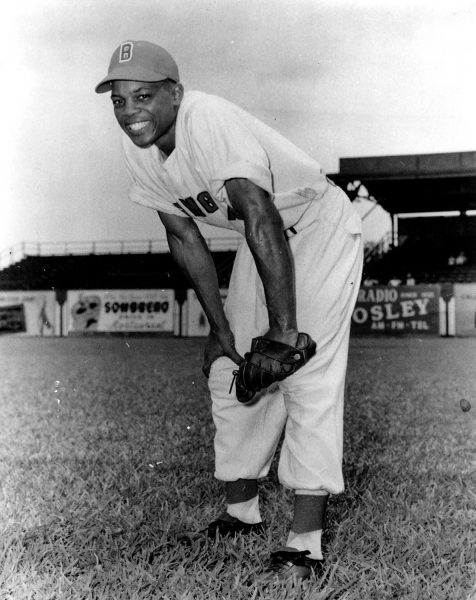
x=310, y=540
x=248, y=511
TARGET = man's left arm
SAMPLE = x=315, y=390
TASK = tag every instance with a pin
x=264, y=233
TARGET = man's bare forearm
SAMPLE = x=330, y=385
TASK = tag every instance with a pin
x=265, y=238
x=191, y=253
x=194, y=258
x=275, y=266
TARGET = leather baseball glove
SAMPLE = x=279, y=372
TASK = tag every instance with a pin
x=270, y=361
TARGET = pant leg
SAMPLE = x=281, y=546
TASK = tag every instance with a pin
x=328, y=264
x=246, y=436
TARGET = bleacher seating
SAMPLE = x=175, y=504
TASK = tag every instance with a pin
x=426, y=259
x=106, y=271
x=423, y=255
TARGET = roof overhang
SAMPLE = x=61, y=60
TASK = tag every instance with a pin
x=415, y=183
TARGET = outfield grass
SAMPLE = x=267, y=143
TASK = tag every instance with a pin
x=106, y=452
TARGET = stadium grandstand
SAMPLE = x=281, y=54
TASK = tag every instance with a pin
x=431, y=199
x=432, y=202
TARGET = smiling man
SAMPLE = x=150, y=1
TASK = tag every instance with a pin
x=197, y=157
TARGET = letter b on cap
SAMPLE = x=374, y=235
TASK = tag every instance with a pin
x=125, y=52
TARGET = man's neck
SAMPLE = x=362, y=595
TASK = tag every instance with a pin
x=166, y=143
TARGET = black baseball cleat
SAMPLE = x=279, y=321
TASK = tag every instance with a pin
x=289, y=564
x=226, y=525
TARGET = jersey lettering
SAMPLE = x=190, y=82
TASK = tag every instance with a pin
x=191, y=205
x=207, y=202
x=125, y=52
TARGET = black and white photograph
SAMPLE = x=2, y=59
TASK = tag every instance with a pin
x=238, y=300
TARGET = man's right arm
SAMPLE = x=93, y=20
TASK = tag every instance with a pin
x=191, y=253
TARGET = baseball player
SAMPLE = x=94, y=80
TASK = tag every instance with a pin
x=282, y=336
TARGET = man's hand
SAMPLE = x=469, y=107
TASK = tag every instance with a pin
x=219, y=344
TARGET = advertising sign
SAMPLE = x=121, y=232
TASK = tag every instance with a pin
x=12, y=318
x=120, y=311
x=27, y=313
x=399, y=310
x=465, y=297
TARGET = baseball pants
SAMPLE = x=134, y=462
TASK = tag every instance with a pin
x=307, y=406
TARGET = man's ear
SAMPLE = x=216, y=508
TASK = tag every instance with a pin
x=177, y=93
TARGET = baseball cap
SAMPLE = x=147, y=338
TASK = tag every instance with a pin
x=139, y=61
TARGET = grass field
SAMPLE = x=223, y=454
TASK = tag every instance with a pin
x=106, y=453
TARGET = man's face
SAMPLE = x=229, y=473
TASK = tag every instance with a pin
x=147, y=111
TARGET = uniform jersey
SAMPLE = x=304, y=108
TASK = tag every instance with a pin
x=216, y=140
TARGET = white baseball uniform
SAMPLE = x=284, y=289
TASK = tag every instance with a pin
x=217, y=141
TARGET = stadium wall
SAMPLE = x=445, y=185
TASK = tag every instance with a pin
x=420, y=310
